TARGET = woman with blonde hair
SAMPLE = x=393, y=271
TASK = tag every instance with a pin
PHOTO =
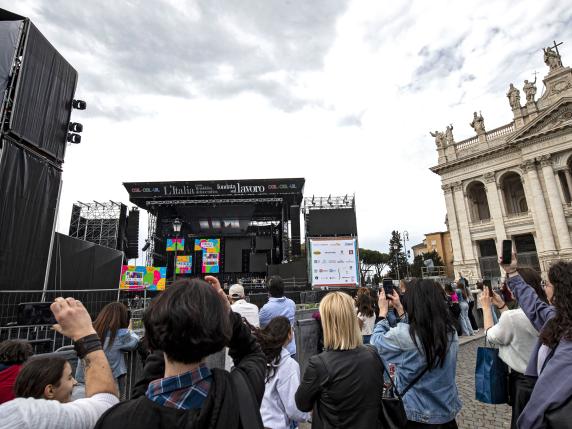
x=343, y=384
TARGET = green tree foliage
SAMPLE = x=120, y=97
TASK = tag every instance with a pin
x=418, y=262
x=372, y=264
x=397, y=260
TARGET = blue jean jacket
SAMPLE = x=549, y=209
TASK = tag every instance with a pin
x=434, y=399
x=124, y=341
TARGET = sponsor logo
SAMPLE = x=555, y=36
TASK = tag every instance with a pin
x=317, y=252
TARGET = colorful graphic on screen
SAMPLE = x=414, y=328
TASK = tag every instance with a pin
x=184, y=264
x=140, y=277
x=172, y=242
x=211, y=254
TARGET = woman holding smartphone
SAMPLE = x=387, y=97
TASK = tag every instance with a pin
x=551, y=360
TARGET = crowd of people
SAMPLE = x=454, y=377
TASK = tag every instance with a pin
x=400, y=345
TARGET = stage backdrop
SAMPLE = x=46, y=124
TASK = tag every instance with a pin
x=334, y=262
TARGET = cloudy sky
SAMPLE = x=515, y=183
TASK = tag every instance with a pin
x=343, y=93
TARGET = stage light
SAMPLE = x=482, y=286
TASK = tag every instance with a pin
x=74, y=138
x=75, y=127
x=177, y=225
x=79, y=104
x=147, y=245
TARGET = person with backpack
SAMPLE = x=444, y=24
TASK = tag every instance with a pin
x=423, y=350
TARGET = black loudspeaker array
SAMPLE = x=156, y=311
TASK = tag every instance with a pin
x=295, y=225
x=132, y=249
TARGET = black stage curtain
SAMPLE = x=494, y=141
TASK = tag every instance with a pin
x=29, y=189
x=78, y=265
x=45, y=92
x=9, y=39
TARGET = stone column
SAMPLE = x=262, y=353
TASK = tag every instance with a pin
x=540, y=214
x=495, y=205
x=568, y=180
x=453, y=226
x=464, y=231
x=562, y=230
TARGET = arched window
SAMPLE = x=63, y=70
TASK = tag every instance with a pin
x=478, y=203
x=513, y=191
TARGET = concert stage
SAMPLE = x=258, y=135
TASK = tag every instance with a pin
x=233, y=229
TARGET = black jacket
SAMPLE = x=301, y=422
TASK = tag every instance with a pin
x=220, y=409
x=343, y=388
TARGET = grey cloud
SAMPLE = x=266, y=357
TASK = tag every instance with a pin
x=437, y=64
x=160, y=50
x=350, y=121
x=96, y=108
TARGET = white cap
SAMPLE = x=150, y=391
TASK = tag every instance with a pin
x=236, y=291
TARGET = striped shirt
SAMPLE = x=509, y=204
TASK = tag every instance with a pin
x=184, y=391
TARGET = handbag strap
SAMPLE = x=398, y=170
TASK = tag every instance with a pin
x=409, y=386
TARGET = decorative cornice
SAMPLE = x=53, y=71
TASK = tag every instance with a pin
x=490, y=177
x=528, y=165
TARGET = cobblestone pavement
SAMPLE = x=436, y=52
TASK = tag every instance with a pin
x=474, y=415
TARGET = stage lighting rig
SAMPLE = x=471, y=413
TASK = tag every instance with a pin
x=75, y=127
x=74, y=138
x=147, y=245
x=79, y=104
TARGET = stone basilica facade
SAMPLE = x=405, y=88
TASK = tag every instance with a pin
x=512, y=182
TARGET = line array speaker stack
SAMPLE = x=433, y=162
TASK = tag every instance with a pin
x=37, y=87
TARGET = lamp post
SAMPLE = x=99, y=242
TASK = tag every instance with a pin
x=405, y=235
x=176, y=229
x=396, y=249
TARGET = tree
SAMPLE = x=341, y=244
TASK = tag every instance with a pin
x=397, y=260
x=419, y=262
x=372, y=260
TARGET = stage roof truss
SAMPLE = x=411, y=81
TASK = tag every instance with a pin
x=217, y=202
x=329, y=202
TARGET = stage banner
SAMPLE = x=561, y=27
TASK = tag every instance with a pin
x=211, y=254
x=175, y=244
x=184, y=264
x=140, y=277
x=334, y=262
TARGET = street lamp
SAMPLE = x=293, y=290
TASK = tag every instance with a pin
x=176, y=229
x=405, y=235
x=396, y=249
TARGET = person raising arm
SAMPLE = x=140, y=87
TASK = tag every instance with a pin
x=73, y=322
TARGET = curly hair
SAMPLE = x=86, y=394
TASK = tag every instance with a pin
x=560, y=326
x=271, y=339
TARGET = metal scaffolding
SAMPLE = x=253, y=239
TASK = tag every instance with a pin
x=97, y=222
x=151, y=237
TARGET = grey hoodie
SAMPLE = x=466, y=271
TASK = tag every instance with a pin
x=554, y=384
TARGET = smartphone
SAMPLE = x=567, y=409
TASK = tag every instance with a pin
x=35, y=313
x=388, y=287
x=490, y=288
x=506, y=252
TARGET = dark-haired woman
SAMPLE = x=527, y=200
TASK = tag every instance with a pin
x=423, y=348
x=366, y=315
x=515, y=335
x=463, y=296
x=278, y=409
x=551, y=360
x=45, y=378
x=13, y=353
x=112, y=327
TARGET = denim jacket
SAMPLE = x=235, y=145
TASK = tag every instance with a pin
x=434, y=398
x=124, y=341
